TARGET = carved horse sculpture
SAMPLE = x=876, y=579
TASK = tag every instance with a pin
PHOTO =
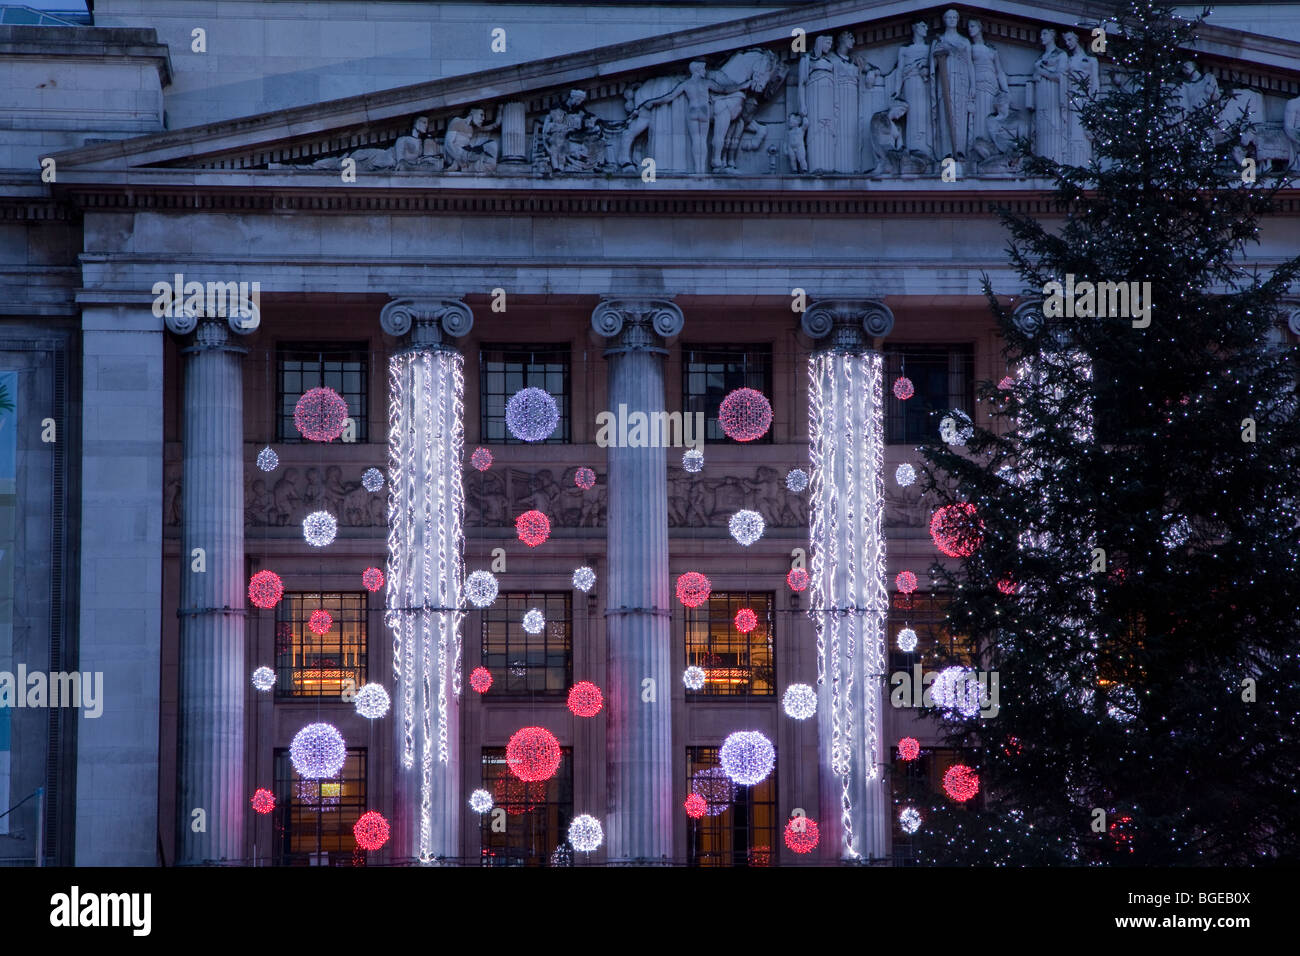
x=751, y=71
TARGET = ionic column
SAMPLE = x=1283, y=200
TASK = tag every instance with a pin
x=426, y=547
x=213, y=675
x=638, y=611
x=849, y=600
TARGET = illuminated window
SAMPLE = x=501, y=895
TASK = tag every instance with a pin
x=740, y=826
x=935, y=646
x=319, y=665
x=302, y=367
x=943, y=376
x=733, y=663
x=523, y=663
x=710, y=372
x=313, y=819
x=537, y=814
x=504, y=370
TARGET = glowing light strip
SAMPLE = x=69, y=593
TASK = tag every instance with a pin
x=425, y=386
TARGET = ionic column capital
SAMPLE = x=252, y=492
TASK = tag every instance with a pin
x=847, y=324
x=212, y=335
x=637, y=324
x=430, y=321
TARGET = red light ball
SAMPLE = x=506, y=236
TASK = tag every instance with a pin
x=320, y=414
x=533, y=527
x=903, y=388
x=693, y=589
x=320, y=621
x=746, y=620
x=957, y=530
x=480, y=678
x=371, y=830
x=909, y=748
x=263, y=800
x=585, y=699
x=801, y=834
x=372, y=579
x=265, y=589
x=797, y=579
x=533, y=754
x=481, y=459
x=696, y=806
x=745, y=415
x=1007, y=586
x=584, y=478
x=905, y=582
x=961, y=782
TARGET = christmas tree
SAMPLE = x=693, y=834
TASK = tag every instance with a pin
x=1129, y=566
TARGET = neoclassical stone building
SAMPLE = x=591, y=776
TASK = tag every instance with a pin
x=636, y=207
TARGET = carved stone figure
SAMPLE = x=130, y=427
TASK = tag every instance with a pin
x=408, y=152
x=912, y=86
x=1291, y=128
x=889, y=143
x=1198, y=90
x=990, y=81
x=467, y=147
x=744, y=133
x=698, y=91
x=665, y=145
x=1084, y=80
x=754, y=71
x=847, y=77
x=1048, y=97
x=574, y=137
x=817, y=103
x=954, y=75
x=995, y=150
x=795, y=143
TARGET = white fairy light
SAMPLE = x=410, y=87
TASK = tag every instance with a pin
x=693, y=677
x=372, y=479
x=480, y=801
x=481, y=588
x=796, y=480
x=371, y=701
x=800, y=701
x=532, y=415
x=264, y=678
x=534, y=622
x=318, y=750
x=319, y=528
x=584, y=578
x=907, y=640
x=693, y=460
x=747, y=757
x=909, y=820
x=267, y=459
x=904, y=474
x=956, y=429
x=956, y=690
x=746, y=526
x=585, y=833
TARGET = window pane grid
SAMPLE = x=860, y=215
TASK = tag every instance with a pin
x=301, y=367
x=943, y=377
x=740, y=831
x=523, y=663
x=504, y=370
x=313, y=819
x=734, y=664
x=320, y=665
x=936, y=647
x=537, y=814
x=710, y=372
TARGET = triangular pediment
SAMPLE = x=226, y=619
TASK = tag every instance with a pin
x=769, y=103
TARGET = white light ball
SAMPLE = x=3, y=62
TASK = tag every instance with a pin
x=481, y=588
x=747, y=757
x=532, y=415
x=905, y=474
x=800, y=701
x=693, y=677
x=746, y=526
x=319, y=528
x=480, y=801
x=264, y=678
x=693, y=460
x=907, y=640
x=318, y=750
x=909, y=820
x=956, y=689
x=371, y=701
x=372, y=479
x=585, y=833
x=267, y=459
x=534, y=621
x=956, y=429
x=796, y=480
x=584, y=579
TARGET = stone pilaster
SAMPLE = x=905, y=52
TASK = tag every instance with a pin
x=639, y=824
x=849, y=598
x=426, y=572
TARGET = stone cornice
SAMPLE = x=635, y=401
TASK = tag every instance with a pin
x=139, y=43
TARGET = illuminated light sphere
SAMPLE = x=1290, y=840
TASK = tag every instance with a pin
x=480, y=679
x=903, y=388
x=796, y=480
x=265, y=589
x=319, y=528
x=716, y=789
x=909, y=748
x=481, y=588
x=371, y=701
x=1007, y=586
x=956, y=429
x=747, y=757
x=263, y=800
x=957, y=530
x=584, y=578
x=531, y=414
x=957, y=689
x=533, y=528
x=533, y=754
x=534, y=622
x=372, y=479
x=480, y=801
x=562, y=855
x=909, y=820
x=800, y=701
x=905, y=582
x=585, y=833
x=696, y=806
x=320, y=621
x=907, y=640
x=693, y=589
x=371, y=830
x=320, y=414
x=746, y=526
x=797, y=579
x=746, y=620
x=745, y=414
x=904, y=474
x=481, y=459
x=961, y=782
x=1007, y=383
x=372, y=579
x=585, y=699
x=318, y=750
x=693, y=460
x=801, y=834
x=263, y=678
x=693, y=677
x=585, y=479
x=267, y=459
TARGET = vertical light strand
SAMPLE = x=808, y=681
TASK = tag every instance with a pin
x=425, y=388
x=441, y=433
x=453, y=453
x=876, y=601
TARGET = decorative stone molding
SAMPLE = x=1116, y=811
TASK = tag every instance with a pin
x=1293, y=318
x=1028, y=316
x=210, y=333
x=637, y=323
x=847, y=324
x=432, y=319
